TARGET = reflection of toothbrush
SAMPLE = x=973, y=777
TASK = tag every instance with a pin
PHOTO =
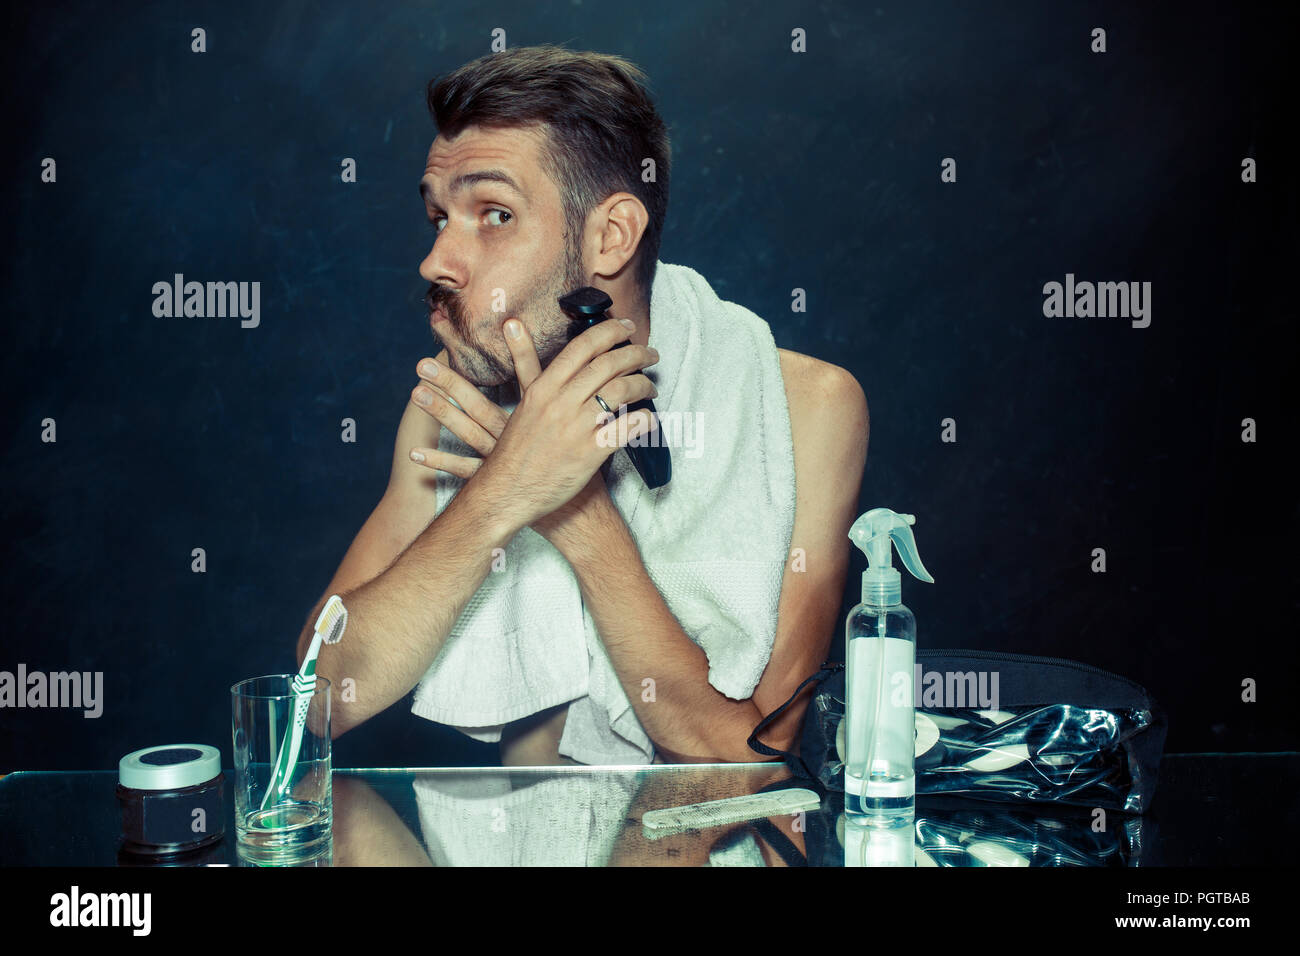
x=329, y=628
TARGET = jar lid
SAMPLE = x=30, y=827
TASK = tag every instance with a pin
x=169, y=767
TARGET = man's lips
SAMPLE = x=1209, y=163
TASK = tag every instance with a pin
x=438, y=315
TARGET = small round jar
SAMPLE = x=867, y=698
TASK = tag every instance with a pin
x=172, y=798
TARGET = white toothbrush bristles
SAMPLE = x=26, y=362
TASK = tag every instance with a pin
x=332, y=621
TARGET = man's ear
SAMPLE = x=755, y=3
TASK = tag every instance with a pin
x=620, y=222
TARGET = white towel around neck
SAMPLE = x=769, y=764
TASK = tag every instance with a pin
x=714, y=541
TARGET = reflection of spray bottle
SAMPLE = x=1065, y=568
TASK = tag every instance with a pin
x=869, y=845
x=880, y=647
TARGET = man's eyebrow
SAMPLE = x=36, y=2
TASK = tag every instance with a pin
x=465, y=180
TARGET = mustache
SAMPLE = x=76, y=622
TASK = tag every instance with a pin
x=440, y=296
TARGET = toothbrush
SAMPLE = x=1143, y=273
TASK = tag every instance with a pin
x=329, y=628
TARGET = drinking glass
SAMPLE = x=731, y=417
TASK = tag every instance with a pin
x=294, y=822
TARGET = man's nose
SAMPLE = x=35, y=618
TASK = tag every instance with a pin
x=446, y=262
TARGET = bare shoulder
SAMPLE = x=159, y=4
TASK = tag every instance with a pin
x=827, y=404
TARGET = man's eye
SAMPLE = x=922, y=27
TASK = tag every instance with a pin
x=440, y=222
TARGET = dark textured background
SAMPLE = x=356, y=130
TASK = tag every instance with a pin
x=818, y=171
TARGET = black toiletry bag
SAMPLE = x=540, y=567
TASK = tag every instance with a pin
x=1063, y=732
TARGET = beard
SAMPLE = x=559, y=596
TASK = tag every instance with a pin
x=478, y=351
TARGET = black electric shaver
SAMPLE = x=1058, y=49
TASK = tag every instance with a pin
x=585, y=307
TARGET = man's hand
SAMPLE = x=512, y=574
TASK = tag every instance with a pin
x=545, y=455
x=478, y=422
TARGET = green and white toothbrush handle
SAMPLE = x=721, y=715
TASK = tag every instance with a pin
x=303, y=687
x=329, y=630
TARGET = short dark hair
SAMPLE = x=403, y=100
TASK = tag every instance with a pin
x=601, y=126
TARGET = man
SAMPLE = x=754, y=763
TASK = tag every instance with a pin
x=535, y=186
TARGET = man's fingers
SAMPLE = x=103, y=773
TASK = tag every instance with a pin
x=476, y=405
x=436, y=460
x=527, y=365
x=598, y=339
x=623, y=428
x=622, y=390
x=435, y=403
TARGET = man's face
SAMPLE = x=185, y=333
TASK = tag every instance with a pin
x=499, y=249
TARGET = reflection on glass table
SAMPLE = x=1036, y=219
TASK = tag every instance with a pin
x=592, y=816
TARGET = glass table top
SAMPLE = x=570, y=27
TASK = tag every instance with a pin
x=1209, y=810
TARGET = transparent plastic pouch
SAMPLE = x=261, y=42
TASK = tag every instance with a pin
x=1058, y=732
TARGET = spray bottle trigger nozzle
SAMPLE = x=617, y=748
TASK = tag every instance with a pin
x=902, y=535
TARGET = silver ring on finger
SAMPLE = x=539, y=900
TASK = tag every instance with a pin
x=601, y=402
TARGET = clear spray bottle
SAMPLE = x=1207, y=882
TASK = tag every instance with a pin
x=880, y=648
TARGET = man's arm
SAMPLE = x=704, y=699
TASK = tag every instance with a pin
x=404, y=581
x=689, y=720
x=830, y=437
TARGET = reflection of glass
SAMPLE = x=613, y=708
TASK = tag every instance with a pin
x=296, y=824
